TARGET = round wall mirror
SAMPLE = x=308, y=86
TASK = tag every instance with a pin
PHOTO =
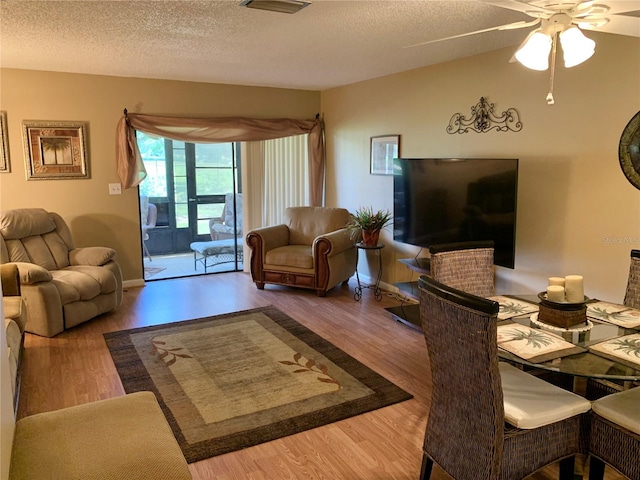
x=629, y=151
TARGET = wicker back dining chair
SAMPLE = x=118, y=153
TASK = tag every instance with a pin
x=615, y=434
x=597, y=388
x=474, y=395
x=466, y=266
x=632, y=295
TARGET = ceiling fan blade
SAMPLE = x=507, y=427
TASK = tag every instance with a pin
x=617, y=24
x=531, y=10
x=621, y=6
x=508, y=26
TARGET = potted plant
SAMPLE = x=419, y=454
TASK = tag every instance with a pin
x=365, y=224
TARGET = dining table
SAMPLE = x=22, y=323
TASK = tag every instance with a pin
x=605, y=346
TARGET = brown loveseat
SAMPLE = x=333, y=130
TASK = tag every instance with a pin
x=312, y=249
x=62, y=286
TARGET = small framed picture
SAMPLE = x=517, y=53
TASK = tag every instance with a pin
x=55, y=150
x=384, y=149
x=5, y=165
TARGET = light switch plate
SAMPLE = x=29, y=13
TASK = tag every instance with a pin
x=115, y=189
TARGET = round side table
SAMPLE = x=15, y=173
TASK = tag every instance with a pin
x=377, y=293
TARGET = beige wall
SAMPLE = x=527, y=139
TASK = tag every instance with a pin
x=95, y=217
x=577, y=213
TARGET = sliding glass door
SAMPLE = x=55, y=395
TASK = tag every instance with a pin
x=187, y=183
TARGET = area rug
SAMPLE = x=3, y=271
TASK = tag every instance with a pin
x=151, y=271
x=236, y=380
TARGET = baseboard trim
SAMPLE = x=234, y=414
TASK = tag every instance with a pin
x=137, y=282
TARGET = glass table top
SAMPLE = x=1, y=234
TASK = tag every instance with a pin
x=584, y=363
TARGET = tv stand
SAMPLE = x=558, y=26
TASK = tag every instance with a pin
x=409, y=314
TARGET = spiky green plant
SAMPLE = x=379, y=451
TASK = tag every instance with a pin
x=366, y=218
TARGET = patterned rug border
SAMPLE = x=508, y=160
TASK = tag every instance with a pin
x=135, y=377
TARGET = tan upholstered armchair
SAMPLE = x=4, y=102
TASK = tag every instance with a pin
x=312, y=249
x=62, y=286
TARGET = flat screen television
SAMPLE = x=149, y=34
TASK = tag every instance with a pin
x=447, y=200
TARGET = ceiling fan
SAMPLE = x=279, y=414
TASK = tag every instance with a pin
x=563, y=21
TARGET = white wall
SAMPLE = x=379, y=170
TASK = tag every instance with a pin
x=577, y=213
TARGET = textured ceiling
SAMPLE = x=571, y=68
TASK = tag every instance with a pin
x=328, y=44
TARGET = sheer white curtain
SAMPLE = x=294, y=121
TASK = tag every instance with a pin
x=275, y=175
x=286, y=177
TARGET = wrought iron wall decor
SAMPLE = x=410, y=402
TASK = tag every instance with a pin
x=484, y=119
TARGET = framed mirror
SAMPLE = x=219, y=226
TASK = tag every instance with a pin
x=629, y=151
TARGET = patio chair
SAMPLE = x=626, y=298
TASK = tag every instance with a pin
x=230, y=223
x=488, y=420
x=149, y=224
x=226, y=244
x=214, y=252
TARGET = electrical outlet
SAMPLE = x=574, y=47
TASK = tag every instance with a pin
x=115, y=189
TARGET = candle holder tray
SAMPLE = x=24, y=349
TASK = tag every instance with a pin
x=562, y=314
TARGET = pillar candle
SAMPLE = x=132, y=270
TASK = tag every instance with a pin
x=574, y=288
x=556, y=281
x=555, y=293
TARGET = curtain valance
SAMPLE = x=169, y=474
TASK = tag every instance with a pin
x=210, y=130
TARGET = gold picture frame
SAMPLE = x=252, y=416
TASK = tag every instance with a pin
x=384, y=148
x=5, y=164
x=55, y=150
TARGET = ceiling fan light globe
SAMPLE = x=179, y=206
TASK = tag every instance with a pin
x=534, y=52
x=576, y=47
x=573, y=60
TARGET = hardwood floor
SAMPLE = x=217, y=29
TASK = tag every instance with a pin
x=75, y=367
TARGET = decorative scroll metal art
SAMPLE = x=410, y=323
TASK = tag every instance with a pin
x=483, y=119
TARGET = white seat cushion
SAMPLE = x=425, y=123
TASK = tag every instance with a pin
x=622, y=408
x=217, y=247
x=530, y=402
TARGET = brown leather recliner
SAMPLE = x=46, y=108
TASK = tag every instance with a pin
x=312, y=250
x=62, y=285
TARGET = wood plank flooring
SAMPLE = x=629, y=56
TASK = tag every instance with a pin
x=75, y=367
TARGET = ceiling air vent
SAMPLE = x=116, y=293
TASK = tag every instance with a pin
x=282, y=6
